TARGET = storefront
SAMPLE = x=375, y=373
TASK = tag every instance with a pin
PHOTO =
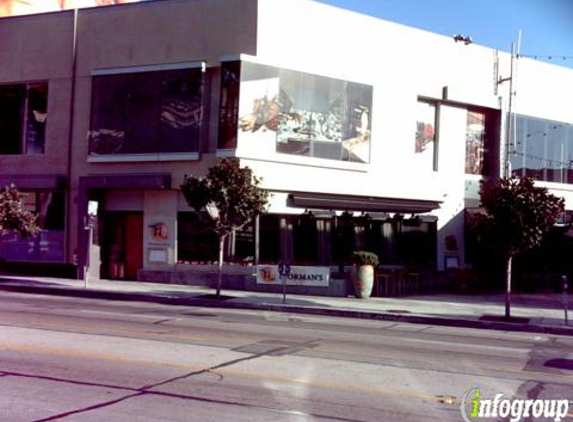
x=45, y=196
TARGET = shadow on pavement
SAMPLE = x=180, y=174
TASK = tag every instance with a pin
x=560, y=364
x=31, y=282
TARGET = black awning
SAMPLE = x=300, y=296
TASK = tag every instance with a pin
x=361, y=203
x=127, y=181
x=35, y=181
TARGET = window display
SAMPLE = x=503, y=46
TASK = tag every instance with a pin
x=288, y=112
x=475, y=142
x=425, y=146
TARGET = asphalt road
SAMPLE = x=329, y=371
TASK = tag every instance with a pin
x=68, y=359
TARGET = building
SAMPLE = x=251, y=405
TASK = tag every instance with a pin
x=369, y=134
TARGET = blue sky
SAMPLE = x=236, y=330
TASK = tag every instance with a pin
x=547, y=25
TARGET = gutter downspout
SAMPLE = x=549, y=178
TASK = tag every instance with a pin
x=71, y=136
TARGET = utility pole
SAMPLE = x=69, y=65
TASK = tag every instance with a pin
x=509, y=119
x=506, y=170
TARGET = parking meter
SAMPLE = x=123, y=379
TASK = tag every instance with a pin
x=284, y=272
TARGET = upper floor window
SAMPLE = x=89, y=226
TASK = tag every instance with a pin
x=23, y=115
x=426, y=137
x=482, y=141
x=542, y=149
x=279, y=111
x=475, y=142
x=147, y=112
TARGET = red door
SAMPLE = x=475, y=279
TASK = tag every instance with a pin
x=133, y=245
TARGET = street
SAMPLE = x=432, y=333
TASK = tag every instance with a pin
x=70, y=359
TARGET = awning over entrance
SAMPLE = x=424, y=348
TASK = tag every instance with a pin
x=36, y=181
x=361, y=203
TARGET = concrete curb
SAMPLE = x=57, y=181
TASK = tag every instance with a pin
x=308, y=310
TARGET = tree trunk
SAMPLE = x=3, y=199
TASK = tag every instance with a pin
x=220, y=265
x=508, y=287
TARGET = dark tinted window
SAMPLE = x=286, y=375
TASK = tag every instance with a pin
x=147, y=112
x=23, y=116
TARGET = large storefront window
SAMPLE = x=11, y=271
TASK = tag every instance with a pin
x=48, y=244
x=197, y=243
x=147, y=112
x=287, y=112
x=311, y=238
x=307, y=239
x=23, y=116
x=425, y=142
x=543, y=149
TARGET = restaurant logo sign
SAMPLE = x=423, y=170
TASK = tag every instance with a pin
x=475, y=407
x=298, y=276
x=159, y=231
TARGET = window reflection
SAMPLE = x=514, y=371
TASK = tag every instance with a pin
x=109, y=102
x=543, y=149
x=23, y=117
x=48, y=244
x=142, y=113
x=147, y=112
x=229, y=105
x=475, y=142
x=425, y=139
x=182, y=110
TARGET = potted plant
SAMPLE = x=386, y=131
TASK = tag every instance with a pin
x=362, y=272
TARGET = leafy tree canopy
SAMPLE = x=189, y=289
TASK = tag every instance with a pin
x=13, y=216
x=518, y=214
x=233, y=190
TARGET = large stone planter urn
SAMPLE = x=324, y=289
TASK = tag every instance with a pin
x=362, y=273
x=362, y=277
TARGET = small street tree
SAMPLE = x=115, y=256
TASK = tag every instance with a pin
x=13, y=216
x=518, y=216
x=232, y=197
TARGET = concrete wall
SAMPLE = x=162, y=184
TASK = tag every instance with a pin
x=34, y=49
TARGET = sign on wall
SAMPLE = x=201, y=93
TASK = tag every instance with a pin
x=299, y=276
x=158, y=243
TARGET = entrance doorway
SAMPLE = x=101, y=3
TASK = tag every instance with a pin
x=123, y=245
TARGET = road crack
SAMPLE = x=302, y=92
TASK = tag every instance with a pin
x=89, y=408
x=147, y=389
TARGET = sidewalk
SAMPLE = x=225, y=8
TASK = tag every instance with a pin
x=541, y=313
